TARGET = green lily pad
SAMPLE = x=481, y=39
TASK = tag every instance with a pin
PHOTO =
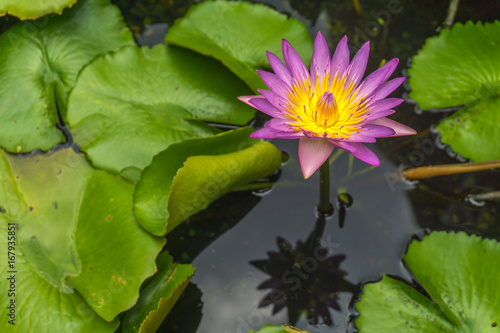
x=39, y=306
x=40, y=61
x=80, y=231
x=29, y=9
x=158, y=297
x=471, y=131
x=460, y=67
x=47, y=214
x=462, y=282
x=457, y=67
x=268, y=328
x=239, y=34
x=128, y=106
x=186, y=177
x=61, y=309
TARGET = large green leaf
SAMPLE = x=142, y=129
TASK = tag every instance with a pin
x=39, y=306
x=239, y=34
x=462, y=282
x=76, y=224
x=32, y=9
x=186, y=177
x=457, y=67
x=39, y=64
x=130, y=105
x=472, y=130
x=41, y=251
x=47, y=214
x=159, y=296
x=460, y=67
x=268, y=328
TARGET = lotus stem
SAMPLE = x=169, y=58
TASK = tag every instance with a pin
x=325, y=207
x=450, y=169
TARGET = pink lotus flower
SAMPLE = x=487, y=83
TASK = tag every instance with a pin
x=328, y=106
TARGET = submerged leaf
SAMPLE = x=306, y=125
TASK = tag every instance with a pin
x=130, y=105
x=159, y=296
x=186, y=177
x=239, y=34
x=460, y=67
x=32, y=9
x=40, y=61
x=462, y=283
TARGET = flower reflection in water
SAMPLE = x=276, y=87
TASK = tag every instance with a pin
x=305, y=279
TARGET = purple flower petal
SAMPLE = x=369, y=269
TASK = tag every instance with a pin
x=359, y=137
x=262, y=104
x=370, y=117
x=277, y=85
x=377, y=131
x=269, y=133
x=320, y=62
x=277, y=101
x=279, y=68
x=384, y=90
x=357, y=67
x=399, y=129
x=340, y=59
x=264, y=133
x=290, y=135
x=294, y=62
x=383, y=104
x=279, y=125
x=358, y=150
x=375, y=79
x=245, y=99
x=313, y=153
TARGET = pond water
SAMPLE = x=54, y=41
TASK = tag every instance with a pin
x=232, y=241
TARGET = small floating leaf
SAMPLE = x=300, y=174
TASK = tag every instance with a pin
x=239, y=34
x=462, y=282
x=186, y=177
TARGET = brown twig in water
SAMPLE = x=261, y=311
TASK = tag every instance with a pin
x=485, y=196
x=450, y=169
x=357, y=6
x=452, y=11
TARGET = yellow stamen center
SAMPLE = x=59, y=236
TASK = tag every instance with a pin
x=325, y=110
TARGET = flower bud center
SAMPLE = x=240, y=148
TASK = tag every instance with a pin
x=326, y=109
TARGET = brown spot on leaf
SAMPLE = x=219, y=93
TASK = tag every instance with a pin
x=109, y=217
x=31, y=208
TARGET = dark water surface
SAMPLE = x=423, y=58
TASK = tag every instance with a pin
x=363, y=241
